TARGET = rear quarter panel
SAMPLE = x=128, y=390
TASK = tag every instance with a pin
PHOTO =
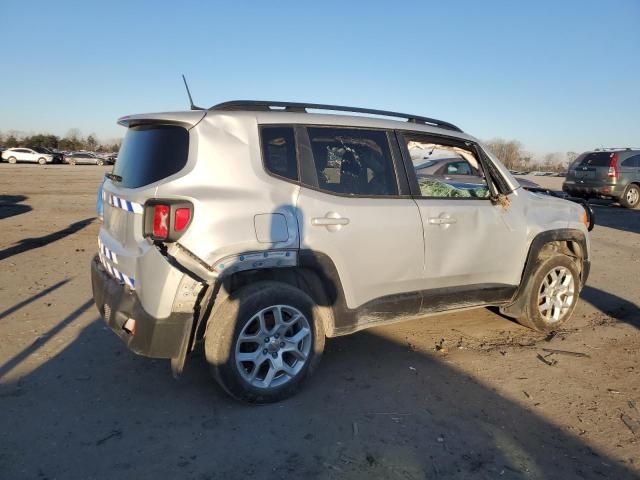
x=228, y=186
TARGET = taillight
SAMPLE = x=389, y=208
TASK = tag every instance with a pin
x=182, y=217
x=166, y=220
x=613, y=166
x=160, y=222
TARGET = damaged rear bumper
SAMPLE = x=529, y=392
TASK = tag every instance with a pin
x=151, y=337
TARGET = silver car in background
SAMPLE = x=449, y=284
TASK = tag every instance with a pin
x=85, y=158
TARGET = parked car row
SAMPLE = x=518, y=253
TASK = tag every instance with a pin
x=43, y=156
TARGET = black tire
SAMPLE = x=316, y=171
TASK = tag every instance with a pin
x=230, y=319
x=631, y=196
x=531, y=316
x=42, y=161
x=12, y=160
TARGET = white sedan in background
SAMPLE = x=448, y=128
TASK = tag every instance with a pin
x=14, y=155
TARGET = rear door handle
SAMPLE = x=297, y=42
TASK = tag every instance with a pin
x=441, y=221
x=328, y=221
x=332, y=221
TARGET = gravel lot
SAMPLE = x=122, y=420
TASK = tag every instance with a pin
x=385, y=403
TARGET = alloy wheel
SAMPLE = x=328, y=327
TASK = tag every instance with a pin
x=273, y=347
x=557, y=294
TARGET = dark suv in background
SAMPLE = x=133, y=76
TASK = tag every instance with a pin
x=606, y=173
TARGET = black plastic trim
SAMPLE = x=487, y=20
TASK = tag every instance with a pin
x=264, y=105
x=396, y=307
x=154, y=337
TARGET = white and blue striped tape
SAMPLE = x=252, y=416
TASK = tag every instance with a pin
x=117, y=274
x=106, y=252
x=128, y=205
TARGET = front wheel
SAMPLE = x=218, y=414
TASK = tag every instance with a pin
x=631, y=196
x=100, y=163
x=42, y=161
x=12, y=160
x=263, y=341
x=552, y=294
x=72, y=162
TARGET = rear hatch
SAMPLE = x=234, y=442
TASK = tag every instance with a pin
x=150, y=153
x=595, y=168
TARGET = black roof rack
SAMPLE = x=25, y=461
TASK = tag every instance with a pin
x=602, y=149
x=265, y=106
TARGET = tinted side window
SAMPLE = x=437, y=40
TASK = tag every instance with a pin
x=437, y=164
x=353, y=161
x=279, y=151
x=632, y=161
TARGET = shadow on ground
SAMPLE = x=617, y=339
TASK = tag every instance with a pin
x=619, y=218
x=11, y=205
x=612, y=305
x=97, y=411
x=31, y=243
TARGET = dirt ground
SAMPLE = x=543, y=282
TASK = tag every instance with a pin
x=493, y=402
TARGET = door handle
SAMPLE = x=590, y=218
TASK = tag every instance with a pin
x=328, y=221
x=441, y=220
x=332, y=221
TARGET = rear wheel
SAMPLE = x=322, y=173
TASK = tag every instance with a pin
x=263, y=341
x=42, y=161
x=552, y=294
x=12, y=160
x=72, y=161
x=100, y=162
x=631, y=196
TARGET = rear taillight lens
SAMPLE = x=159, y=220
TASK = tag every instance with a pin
x=167, y=220
x=613, y=166
x=160, y=222
x=182, y=217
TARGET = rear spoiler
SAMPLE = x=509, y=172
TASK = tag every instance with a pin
x=591, y=216
x=187, y=120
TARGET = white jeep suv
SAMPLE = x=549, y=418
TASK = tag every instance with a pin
x=260, y=229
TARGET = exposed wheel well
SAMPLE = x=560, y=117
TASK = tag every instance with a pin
x=304, y=279
x=566, y=242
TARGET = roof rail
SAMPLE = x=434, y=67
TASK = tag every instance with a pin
x=266, y=106
x=602, y=149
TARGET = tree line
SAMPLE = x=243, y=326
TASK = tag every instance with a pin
x=72, y=141
x=510, y=152
x=514, y=157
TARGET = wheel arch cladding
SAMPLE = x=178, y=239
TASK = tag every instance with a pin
x=567, y=241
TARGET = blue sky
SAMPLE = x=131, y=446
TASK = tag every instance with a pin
x=556, y=75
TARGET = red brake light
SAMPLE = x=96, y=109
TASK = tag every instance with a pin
x=182, y=217
x=613, y=166
x=160, y=221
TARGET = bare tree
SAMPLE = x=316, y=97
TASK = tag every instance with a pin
x=509, y=152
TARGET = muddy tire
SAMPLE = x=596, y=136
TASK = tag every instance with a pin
x=552, y=294
x=631, y=196
x=12, y=160
x=263, y=341
x=100, y=163
x=42, y=161
x=72, y=162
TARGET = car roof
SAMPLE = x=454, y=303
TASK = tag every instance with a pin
x=192, y=117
